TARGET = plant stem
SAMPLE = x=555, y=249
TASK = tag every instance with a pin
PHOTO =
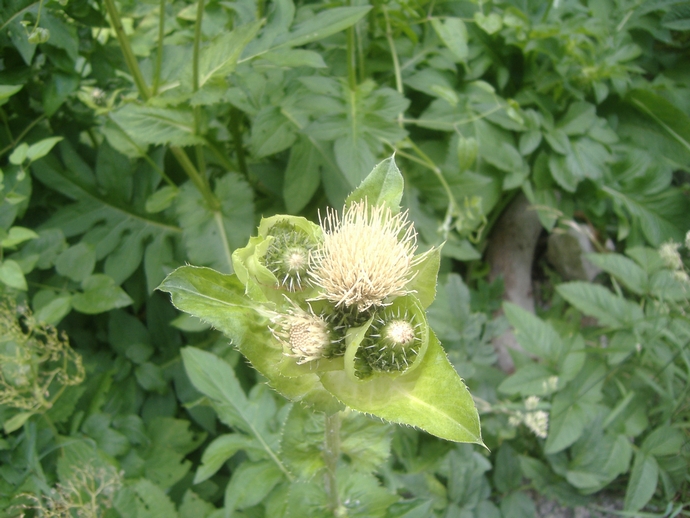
x=126, y=48
x=396, y=62
x=200, y=162
x=195, y=177
x=331, y=453
x=351, y=57
x=159, y=50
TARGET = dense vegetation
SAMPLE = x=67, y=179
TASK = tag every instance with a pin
x=141, y=136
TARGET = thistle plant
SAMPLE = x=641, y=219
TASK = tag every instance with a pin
x=334, y=316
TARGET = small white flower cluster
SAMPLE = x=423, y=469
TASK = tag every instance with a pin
x=671, y=257
x=535, y=420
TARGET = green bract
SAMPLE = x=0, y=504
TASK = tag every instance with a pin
x=335, y=315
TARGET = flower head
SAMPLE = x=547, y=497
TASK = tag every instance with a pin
x=304, y=335
x=365, y=257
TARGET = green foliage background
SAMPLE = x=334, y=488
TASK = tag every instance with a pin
x=140, y=136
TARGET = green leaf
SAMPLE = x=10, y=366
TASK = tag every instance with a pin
x=154, y=125
x=671, y=118
x=7, y=91
x=250, y=484
x=18, y=235
x=272, y=132
x=77, y=262
x=643, y=480
x=219, y=58
x=118, y=229
x=490, y=24
x=534, y=335
x=211, y=236
x=598, y=302
x=152, y=502
x=41, y=148
x=100, y=294
x=216, y=379
x=626, y=271
x=161, y=199
x=321, y=25
x=302, y=176
x=580, y=117
x=518, y=505
x=383, y=185
x=15, y=422
x=431, y=397
x=295, y=58
x=665, y=440
x=219, y=451
x=11, y=275
x=453, y=33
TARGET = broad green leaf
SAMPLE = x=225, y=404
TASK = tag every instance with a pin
x=250, y=484
x=643, y=480
x=432, y=397
x=152, y=502
x=490, y=24
x=77, y=262
x=53, y=311
x=578, y=119
x=7, y=91
x=532, y=379
x=518, y=505
x=534, y=335
x=322, y=25
x=41, y=148
x=598, y=302
x=161, y=199
x=662, y=216
x=100, y=294
x=453, y=33
x=11, y=275
x=302, y=176
x=665, y=440
x=219, y=300
x=506, y=473
x=18, y=156
x=211, y=236
x=624, y=270
x=295, y=58
x=15, y=422
x=361, y=495
x=219, y=451
x=216, y=379
x=383, y=185
x=219, y=58
x=193, y=506
x=271, y=132
x=574, y=408
x=119, y=230
x=671, y=118
x=18, y=235
x=426, y=277
x=597, y=459
x=154, y=125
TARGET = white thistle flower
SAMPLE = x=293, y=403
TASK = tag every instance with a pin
x=366, y=256
x=538, y=422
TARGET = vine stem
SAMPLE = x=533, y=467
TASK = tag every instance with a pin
x=200, y=162
x=351, y=57
x=331, y=453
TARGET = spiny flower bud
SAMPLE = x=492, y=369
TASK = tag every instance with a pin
x=391, y=344
x=306, y=335
x=288, y=255
x=366, y=256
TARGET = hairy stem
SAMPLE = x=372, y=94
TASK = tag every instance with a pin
x=331, y=453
